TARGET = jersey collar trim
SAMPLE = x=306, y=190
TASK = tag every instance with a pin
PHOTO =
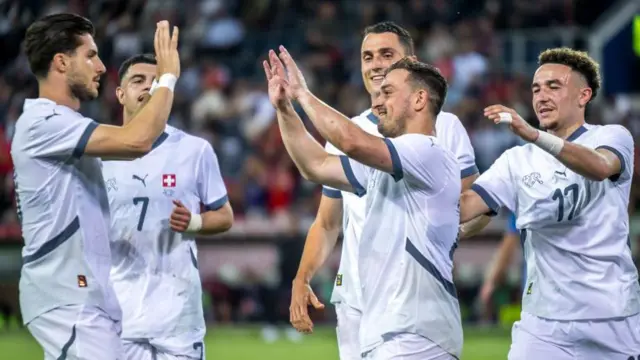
x=160, y=140
x=576, y=134
x=374, y=119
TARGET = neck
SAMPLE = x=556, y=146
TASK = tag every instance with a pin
x=566, y=131
x=51, y=91
x=126, y=117
x=424, y=126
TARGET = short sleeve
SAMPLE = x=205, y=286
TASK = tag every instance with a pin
x=357, y=174
x=328, y=191
x=618, y=140
x=460, y=145
x=420, y=159
x=495, y=186
x=57, y=135
x=211, y=188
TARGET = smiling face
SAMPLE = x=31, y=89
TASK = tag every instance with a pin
x=133, y=92
x=377, y=54
x=392, y=103
x=560, y=95
x=85, y=70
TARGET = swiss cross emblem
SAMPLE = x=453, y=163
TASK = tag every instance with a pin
x=169, y=180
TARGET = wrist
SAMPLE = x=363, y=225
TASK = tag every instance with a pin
x=304, y=96
x=195, y=224
x=167, y=80
x=301, y=280
x=549, y=143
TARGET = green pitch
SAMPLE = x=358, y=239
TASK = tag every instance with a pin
x=244, y=343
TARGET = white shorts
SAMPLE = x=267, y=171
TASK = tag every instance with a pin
x=408, y=346
x=146, y=351
x=348, y=332
x=535, y=338
x=77, y=333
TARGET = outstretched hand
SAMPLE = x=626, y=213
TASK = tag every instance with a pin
x=277, y=81
x=502, y=114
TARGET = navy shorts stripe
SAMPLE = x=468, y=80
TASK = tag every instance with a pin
x=431, y=269
x=52, y=244
x=67, y=345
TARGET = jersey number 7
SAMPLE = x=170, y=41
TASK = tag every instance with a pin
x=143, y=213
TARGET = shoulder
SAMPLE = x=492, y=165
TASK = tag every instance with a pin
x=194, y=144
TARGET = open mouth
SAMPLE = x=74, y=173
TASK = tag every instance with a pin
x=377, y=78
x=143, y=97
x=544, y=111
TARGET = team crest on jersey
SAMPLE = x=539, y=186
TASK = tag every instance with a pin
x=168, y=180
x=532, y=179
x=111, y=184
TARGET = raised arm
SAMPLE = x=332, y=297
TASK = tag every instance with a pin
x=136, y=138
x=607, y=161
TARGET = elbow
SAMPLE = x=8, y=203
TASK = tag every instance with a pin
x=602, y=172
x=227, y=223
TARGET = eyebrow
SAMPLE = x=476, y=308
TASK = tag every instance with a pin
x=548, y=83
x=386, y=87
x=381, y=50
x=136, y=76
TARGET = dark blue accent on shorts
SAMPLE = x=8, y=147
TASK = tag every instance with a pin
x=52, y=244
x=217, y=204
x=488, y=199
x=67, y=345
x=331, y=193
x=396, y=164
x=194, y=261
x=78, y=151
x=431, y=269
x=358, y=189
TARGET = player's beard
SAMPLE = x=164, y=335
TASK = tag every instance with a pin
x=391, y=128
x=79, y=89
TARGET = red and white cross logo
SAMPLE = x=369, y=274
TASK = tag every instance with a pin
x=169, y=180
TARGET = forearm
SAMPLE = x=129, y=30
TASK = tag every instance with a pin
x=473, y=227
x=331, y=124
x=582, y=160
x=305, y=151
x=217, y=221
x=317, y=248
x=151, y=121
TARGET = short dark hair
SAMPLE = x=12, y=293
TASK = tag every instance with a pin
x=51, y=35
x=390, y=27
x=135, y=59
x=578, y=61
x=425, y=76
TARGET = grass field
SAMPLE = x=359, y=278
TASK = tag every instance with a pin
x=244, y=343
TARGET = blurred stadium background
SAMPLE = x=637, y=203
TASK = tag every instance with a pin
x=486, y=48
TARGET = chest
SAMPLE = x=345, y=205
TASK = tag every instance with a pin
x=158, y=177
x=549, y=193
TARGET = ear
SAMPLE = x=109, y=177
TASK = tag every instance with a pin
x=585, y=96
x=420, y=100
x=61, y=62
x=120, y=95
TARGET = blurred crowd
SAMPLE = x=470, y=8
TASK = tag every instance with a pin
x=221, y=94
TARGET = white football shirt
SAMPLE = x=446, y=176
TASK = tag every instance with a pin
x=64, y=211
x=405, y=253
x=575, y=231
x=452, y=136
x=155, y=270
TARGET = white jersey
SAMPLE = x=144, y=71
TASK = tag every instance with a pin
x=405, y=254
x=452, y=136
x=575, y=231
x=64, y=211
x=155, y=270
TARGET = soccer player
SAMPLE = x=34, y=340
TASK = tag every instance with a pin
x=569, y=190
x=383, y=44
x=155, y=217
x=66, y=297
x=405, y=255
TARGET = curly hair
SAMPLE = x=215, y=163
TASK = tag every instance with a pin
x=578, y=61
